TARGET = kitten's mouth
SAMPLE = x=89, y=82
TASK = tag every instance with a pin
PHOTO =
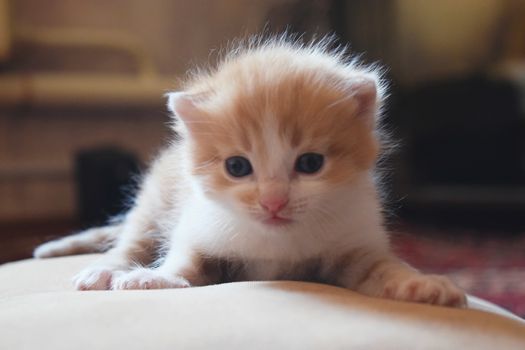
x=277, y=221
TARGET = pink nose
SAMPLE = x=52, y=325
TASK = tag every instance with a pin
x=274, y=204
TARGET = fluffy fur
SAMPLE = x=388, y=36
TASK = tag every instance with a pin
x=269, y=101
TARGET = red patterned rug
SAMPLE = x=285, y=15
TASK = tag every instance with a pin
x=490, y=266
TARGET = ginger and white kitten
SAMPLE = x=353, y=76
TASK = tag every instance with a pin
x=271, y=176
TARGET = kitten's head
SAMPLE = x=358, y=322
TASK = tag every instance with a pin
x=278, y=130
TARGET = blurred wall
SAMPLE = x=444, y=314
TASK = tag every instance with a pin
x=418, y=40
x=5, y=37
x=37, y=144
x=173, y=32
x=439, y=39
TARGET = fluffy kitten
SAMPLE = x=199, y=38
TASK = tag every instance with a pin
x=271, y=176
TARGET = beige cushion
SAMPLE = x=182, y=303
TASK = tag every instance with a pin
x=40, y=310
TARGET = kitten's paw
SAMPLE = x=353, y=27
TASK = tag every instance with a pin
x=148, y=279
x=431, y=289
x=95, y=278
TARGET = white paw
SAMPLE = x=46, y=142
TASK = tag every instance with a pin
x=431, y=289
x=144, y=278
x=95, y=278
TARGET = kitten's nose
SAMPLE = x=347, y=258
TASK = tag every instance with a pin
x=274, y=204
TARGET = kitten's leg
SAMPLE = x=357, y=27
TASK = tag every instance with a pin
x=383, y=275
x=93, y=240
x=142, y=228
x=183, y=265
x=180, y=269
x=135, y=244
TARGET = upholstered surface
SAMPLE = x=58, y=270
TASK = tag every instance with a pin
x=40, y=310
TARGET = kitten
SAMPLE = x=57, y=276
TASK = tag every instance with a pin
x=271, y=176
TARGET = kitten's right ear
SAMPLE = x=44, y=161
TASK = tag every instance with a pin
x=182, y=105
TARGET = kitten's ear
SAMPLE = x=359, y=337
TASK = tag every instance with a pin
x=182, y=105
x=185, y=108
x=364, y=92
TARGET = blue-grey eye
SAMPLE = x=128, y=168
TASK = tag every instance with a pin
x=309, y=163
x=238, y=166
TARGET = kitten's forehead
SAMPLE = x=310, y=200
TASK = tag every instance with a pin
x=271, y=150
x=279, y=117
x=289, y=113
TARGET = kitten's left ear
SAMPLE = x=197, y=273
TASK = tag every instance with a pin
x=364, y=92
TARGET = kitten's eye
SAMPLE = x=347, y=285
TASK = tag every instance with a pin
x=238, y=166
x=309, y=163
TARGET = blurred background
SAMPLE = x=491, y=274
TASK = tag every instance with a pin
x=82, y=113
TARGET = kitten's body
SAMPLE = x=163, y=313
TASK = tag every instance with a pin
x=284, y=108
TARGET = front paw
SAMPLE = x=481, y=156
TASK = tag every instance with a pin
x=144, y=278
x=95, y=278
x=430, y=289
